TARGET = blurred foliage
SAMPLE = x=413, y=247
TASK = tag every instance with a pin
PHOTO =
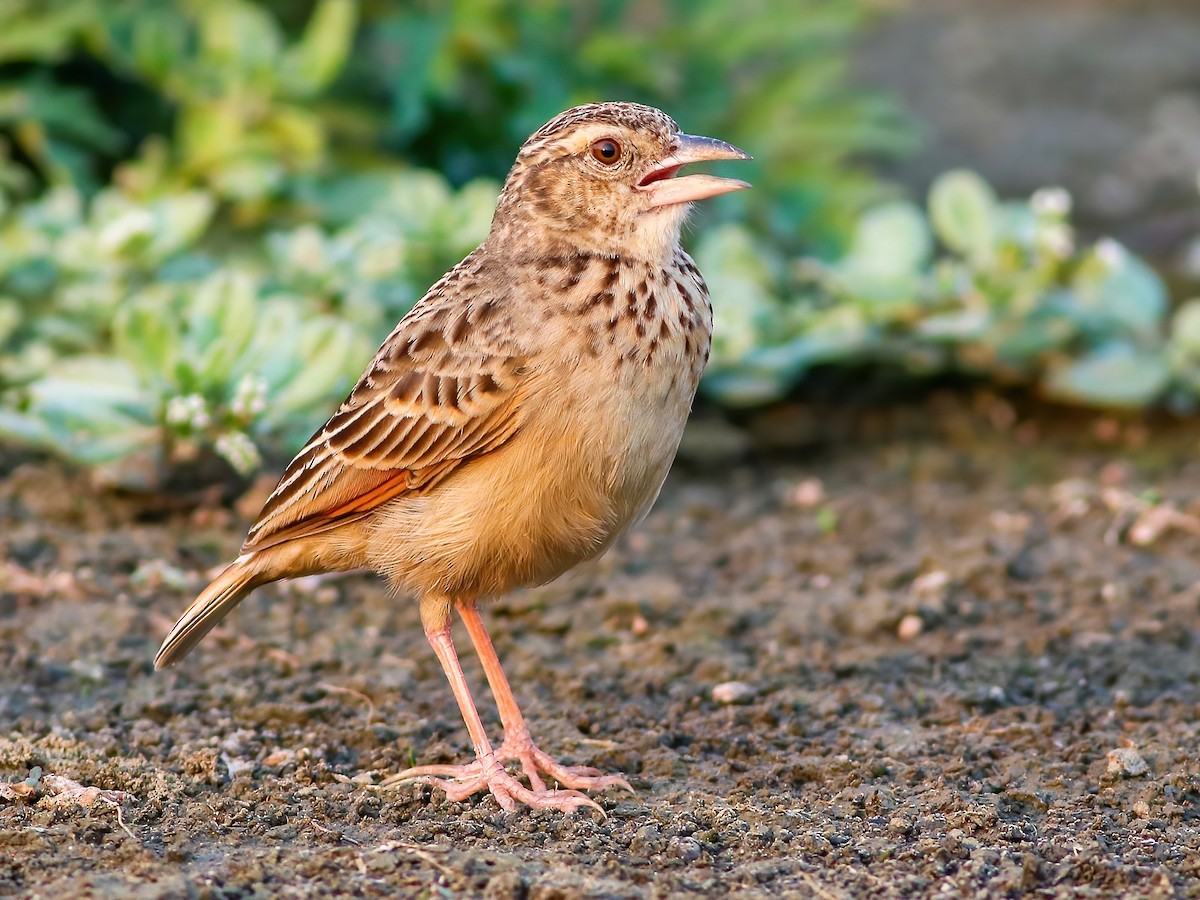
x=241, y=96
x=132, y=337
x=85, y=85
x=206, y=226
x=466, y=82
x=968, y=285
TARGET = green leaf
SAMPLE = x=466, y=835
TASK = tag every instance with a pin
x=1134, y=297
x=146, y=335
x=474, y=204
x=91, y=410
x=221, y=324
x=745, y=390
x=272, y=351
x=182, y=219
x=1185, y=328
x=240, y=41
x=159, y=42
x=963, y=210
x=208, y=133
x=890, y=248
x=956, y=327
x=47, y=33
x=316, y=59
x=1115, y=375
x=741, y=277
x=29, y=428
x=332, y=354
x=297, y=135
x=10, y=318
x=892, y=240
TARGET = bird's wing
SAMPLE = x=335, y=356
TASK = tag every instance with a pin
x=446, y=387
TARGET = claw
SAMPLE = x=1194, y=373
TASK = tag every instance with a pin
x=461, y=781
x=534, y=762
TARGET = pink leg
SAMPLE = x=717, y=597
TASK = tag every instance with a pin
x=517, y=744
x=485, y=773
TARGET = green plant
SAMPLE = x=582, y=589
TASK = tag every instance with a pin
x=134, y=331
x=465, y=83
x=242, y=97
x=1010, y=297
x=238, y=95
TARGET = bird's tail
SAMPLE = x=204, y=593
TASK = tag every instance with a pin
x=216, y=601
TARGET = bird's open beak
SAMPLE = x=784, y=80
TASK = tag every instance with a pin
x=665, y=189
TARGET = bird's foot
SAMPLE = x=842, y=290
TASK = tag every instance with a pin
x=535, y=762
x=461, y=781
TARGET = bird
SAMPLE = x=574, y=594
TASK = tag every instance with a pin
x=519, y=418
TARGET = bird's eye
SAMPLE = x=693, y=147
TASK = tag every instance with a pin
x=606, y=151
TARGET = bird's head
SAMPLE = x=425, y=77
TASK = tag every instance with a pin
x=602, y=179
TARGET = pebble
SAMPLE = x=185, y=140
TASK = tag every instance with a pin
x=1127, y=762
x=910, y=626
x=934, y=582
x=808, y=493
x=279, y=757
x=732, y=692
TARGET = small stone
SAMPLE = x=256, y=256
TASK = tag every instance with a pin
x=506, y=885
x=647, y=840
x=931, y=583
x=687, y=849
x=279, y=757
x=732, y=692
x=1141, y=809
x=808, y=493
x=1127, y=762
x=910, y=626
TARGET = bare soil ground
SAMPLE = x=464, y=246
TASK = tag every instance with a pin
x=964, y=649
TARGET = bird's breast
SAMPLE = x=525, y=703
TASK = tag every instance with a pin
x=645, y=327
x=638, y=337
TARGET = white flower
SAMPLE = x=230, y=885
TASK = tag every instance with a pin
x=189, y=411
x=1110, y=253
x=1051, y=202
x=236, y=448
x=1057, y=239
x=250, y=398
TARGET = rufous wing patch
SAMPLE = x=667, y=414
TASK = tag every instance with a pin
x=439, y=393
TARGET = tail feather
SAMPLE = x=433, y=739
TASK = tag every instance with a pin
x=216, y=601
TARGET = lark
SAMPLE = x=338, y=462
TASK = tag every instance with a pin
x=518, y=419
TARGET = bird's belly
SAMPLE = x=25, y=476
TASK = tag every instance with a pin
x=558, y=495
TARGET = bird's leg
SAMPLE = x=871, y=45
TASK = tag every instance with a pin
x=517, y=744
x=485, y=773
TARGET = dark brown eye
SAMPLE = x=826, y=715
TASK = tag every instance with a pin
x=606, y=151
